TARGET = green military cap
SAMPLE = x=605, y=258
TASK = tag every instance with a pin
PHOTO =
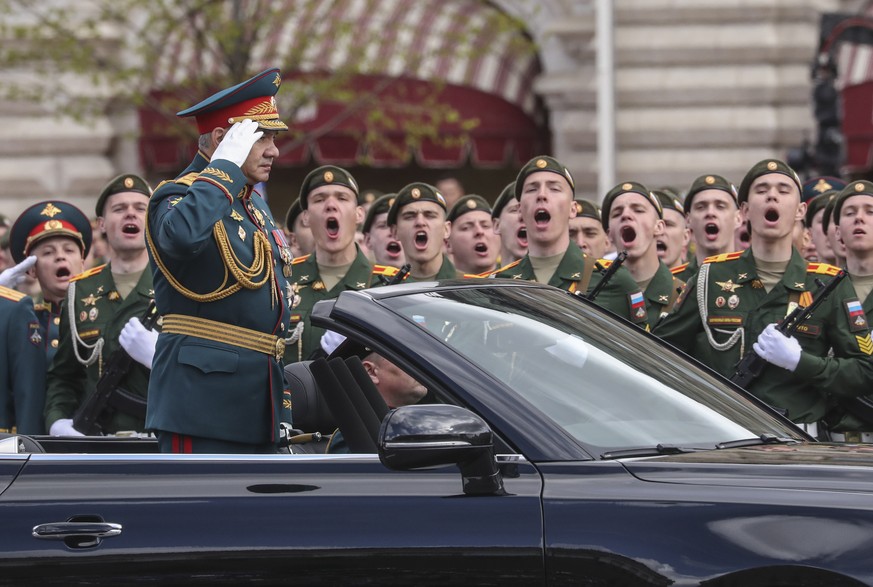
x=709, y=181
x=414, y=192
x=468, y=203
x=506, y=196
x=292, y=214
x=326, y=175
x=855, y=188
x=587, y=209
x=380, y=206
x=369, y=196
x=628, y=187
x=47, y=219
x=828, y=211
x=123, y=183
x=542, y=163
x=763, y=168
x=817, y=203
x=253, y=99
x=669, y=201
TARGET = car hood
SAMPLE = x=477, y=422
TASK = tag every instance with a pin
x=816, y=466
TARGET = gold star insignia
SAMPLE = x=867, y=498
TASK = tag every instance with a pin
x=728, y=285
x=90, y=300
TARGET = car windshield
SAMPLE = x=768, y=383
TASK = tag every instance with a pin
x=600, y=380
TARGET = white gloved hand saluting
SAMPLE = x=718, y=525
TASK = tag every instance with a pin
x=14, y=275
x=63, y=427
x=778, y=349
x=236, y=144
x=138, y=341
x=330, y=340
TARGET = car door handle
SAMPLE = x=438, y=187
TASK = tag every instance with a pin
x=62, y=530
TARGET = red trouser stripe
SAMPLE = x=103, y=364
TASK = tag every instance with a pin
x=182, y=444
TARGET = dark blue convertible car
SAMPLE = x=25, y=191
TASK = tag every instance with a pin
x=556, y=446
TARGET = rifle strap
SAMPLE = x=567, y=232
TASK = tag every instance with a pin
x=703, y=307
x=587, y=271
x=96, y=348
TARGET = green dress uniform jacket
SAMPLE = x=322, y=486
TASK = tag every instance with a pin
x=49, y=316
x=220, y=265
x=736, y=310
x=621, y=295
x=22, y=370
x=94, y=311
x=685, y=271
x=447, y=271
x=661, y=294
x=308, y=288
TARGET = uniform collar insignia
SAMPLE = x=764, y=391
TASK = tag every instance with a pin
x=100, y=289
x=576, y=276
x=799, y=285
x=517, y=276
x=743, y=276
x=663, y=299
x=360, y=285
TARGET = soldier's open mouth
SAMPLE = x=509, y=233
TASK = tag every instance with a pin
x=130, y=229
x=628, y=234
x=522, y=234
x=421, y=239
x=542, y=217
x=662, y=246
x=62, y=272
x=481, y=248
x=744, y=237
x=393, y=247
x=711, y=229
x=332, y=226
x=771, y=215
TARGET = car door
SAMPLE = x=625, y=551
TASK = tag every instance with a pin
x=283, y=519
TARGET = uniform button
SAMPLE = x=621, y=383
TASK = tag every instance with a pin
x=55, y=343
x=57, y=320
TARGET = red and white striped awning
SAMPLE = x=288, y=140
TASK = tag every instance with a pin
x=482, y=65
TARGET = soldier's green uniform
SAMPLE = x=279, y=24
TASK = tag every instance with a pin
x=735, y=310
x=91, y=320
x=686, y=270
x=661, y=294
x=22, y=370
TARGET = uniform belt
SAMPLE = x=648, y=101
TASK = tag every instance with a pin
x=227, y=333
x=852, y=437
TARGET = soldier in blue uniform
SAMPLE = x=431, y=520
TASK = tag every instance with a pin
x=55, y=237
x=221, y=268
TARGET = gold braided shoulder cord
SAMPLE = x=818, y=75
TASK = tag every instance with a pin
x=244, y=275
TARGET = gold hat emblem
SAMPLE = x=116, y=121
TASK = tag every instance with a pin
x=626, y=186
x=415, y=193
x=578, y=208
x=50, y=210
x=128, y=182
x=53, y=225
x=278, y=81
x=471, y=204
x=822, y=186
x=328, y=176
x=541, y=163
x=369, y=197
x=709, y=180
x=772, y=166
x=390, y=202
x=859, y=187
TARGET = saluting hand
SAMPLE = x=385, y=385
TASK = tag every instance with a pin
x=14, y=275
x=236, y=144
x=778, y=349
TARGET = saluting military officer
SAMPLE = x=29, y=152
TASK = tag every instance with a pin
x=418, y=220
x=100, y=303
x=743, y=295
x=509, y=227
x=52, y=237
x=221, y=283
x=633, y=217
x=545, y=191
x=329, y=198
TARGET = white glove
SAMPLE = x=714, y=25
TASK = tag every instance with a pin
x=138, y=341
x=778, y=349
x=330, y=340
x=15, y=275
x=64, y=427
x=237, y=142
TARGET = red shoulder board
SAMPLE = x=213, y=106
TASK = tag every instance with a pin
x=822, y=268
x=723, y=257
x=679, y=268
x=386, y=270
x=88, y=273
x=298, y=260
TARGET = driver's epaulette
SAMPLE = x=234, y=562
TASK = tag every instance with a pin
x=11, y=294
x=88, y=273
x=822, y=268
x=723, y=257
x=679, y=268
x=499, y=269
x=300, y=259
x=386, y=270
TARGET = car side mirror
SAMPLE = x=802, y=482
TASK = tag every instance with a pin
x=414, y=437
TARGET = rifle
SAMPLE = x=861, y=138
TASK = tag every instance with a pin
x=607, y=275
x=752, y=365
x=107, y=393
x=398, y=277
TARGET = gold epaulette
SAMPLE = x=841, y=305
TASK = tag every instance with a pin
x=822, y=268
x=605, y=263
x=679, y=268
x=723, y=257
x=386, y=270
x=186, y=179
x=11, y=294
x=298, y=260
x=499, y=269
x=88, y=273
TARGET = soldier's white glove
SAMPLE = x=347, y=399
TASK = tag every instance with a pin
x=778, y=349
x=330, y=340
x=14, y=275
x=138, y=341
x=64, y=427
x=236, y=144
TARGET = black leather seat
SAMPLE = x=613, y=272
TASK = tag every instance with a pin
x=309, y=411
